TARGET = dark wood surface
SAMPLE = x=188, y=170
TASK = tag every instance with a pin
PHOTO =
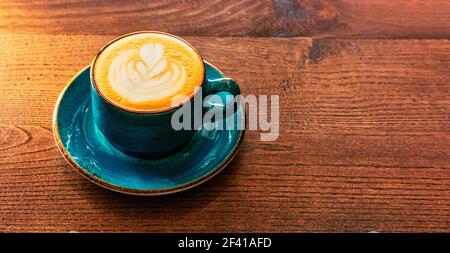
x=261, y=18
x=364, y=116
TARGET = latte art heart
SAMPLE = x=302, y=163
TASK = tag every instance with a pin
x=148, y=71
x=150, y=78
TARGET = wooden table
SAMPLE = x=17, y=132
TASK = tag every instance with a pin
x=364, y=92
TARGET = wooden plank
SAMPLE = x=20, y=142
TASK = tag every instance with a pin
x=363, y=146
x=200, y=18
x=363, y=19
x=265, y=18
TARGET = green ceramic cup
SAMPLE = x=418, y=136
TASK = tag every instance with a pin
x=148, y=134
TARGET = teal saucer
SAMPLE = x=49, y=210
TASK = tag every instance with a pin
x=90, y=153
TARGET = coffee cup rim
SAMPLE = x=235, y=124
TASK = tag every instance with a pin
x=144, y=111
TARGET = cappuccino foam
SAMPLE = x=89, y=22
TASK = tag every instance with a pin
x=146, y=71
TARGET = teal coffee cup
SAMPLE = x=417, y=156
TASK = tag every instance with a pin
x=149, y=133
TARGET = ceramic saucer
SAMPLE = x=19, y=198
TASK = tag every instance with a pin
x=90, y=153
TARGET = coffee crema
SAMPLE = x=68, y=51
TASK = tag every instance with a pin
x=148, y=71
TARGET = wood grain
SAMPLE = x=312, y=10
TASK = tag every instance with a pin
x=363, y=146
x=262, y=18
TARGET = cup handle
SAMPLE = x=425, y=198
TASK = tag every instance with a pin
x=221, y=84
x=222, y=87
